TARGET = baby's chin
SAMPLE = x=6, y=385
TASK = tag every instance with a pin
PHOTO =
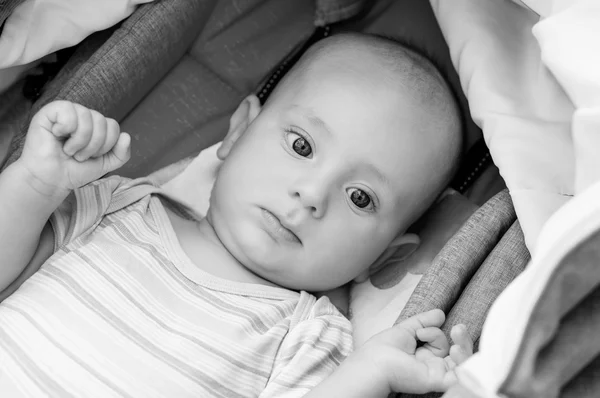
x=280, y=268
x=257, y=254
x=286, y=275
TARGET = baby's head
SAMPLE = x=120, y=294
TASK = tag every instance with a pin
x=322, y=182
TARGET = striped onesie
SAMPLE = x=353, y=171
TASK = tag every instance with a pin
x=120, y=311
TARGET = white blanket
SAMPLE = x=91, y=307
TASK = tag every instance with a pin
x=533, y=88
x=40, y=27
x=533, y=83
x=37, y=28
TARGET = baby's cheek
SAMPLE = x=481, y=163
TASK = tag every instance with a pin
x=361, y=242
x=372, y=242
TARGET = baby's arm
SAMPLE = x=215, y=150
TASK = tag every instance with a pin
x=391, y=362
x=67, y=146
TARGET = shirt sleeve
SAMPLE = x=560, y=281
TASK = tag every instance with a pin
x=84, y=208
x=311, y=351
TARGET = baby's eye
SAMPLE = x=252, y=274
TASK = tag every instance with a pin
x=359, y=197
x=299, y=144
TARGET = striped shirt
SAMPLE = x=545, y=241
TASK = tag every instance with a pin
x=120, y=311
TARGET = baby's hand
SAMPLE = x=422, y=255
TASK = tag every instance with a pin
x=407, y=368
x=68, y=146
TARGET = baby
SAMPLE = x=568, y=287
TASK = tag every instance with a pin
x=136, y=296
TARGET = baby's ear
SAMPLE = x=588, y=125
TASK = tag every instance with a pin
x=401, y=247
x=245, y=113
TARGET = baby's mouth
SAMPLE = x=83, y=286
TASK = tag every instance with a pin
x=276, y=229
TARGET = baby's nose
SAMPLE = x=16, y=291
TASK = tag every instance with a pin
x=312, y=196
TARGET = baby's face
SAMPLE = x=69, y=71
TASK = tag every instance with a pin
x=321, y=181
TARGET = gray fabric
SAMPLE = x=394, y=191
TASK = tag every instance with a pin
x=14, y=111
x=457, y=262
x=507, y=260
x=7, y=7
x=244, y=41
x=178, y=120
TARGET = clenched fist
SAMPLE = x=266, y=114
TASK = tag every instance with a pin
x=69, y=145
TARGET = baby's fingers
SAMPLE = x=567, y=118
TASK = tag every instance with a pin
x=97, y=138
x=440, y=375
x=118, y=155
x=404, y=334
x=463, y=345
x=79, y=138
x=435, y=341
x=62, y=117
x=113, y=132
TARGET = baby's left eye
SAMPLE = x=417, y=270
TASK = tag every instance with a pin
x=359, y=197
x=299, y=144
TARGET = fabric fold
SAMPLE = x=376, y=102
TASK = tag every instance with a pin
x=37, y=28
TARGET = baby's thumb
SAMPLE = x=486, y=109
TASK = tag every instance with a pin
x=118, y=155
x=463, y=344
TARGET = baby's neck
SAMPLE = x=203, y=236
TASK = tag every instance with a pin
x=202, y=245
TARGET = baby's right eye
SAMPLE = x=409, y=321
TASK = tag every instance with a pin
x=360, y=198
x=298, y=143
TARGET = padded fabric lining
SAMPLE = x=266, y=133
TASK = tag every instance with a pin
x=187, y=111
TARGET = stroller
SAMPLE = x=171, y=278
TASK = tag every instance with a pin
x=512, y=252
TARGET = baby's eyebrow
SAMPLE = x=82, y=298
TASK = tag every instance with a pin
x=317, y=122
x=380, y=176
x=313, y=119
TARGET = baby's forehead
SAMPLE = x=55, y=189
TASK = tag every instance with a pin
x=373, y=58
x=386, y=92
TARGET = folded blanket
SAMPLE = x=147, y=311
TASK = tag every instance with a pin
x=524, y=99
x=36, y=28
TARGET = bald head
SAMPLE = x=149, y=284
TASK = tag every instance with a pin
x=380, y=62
